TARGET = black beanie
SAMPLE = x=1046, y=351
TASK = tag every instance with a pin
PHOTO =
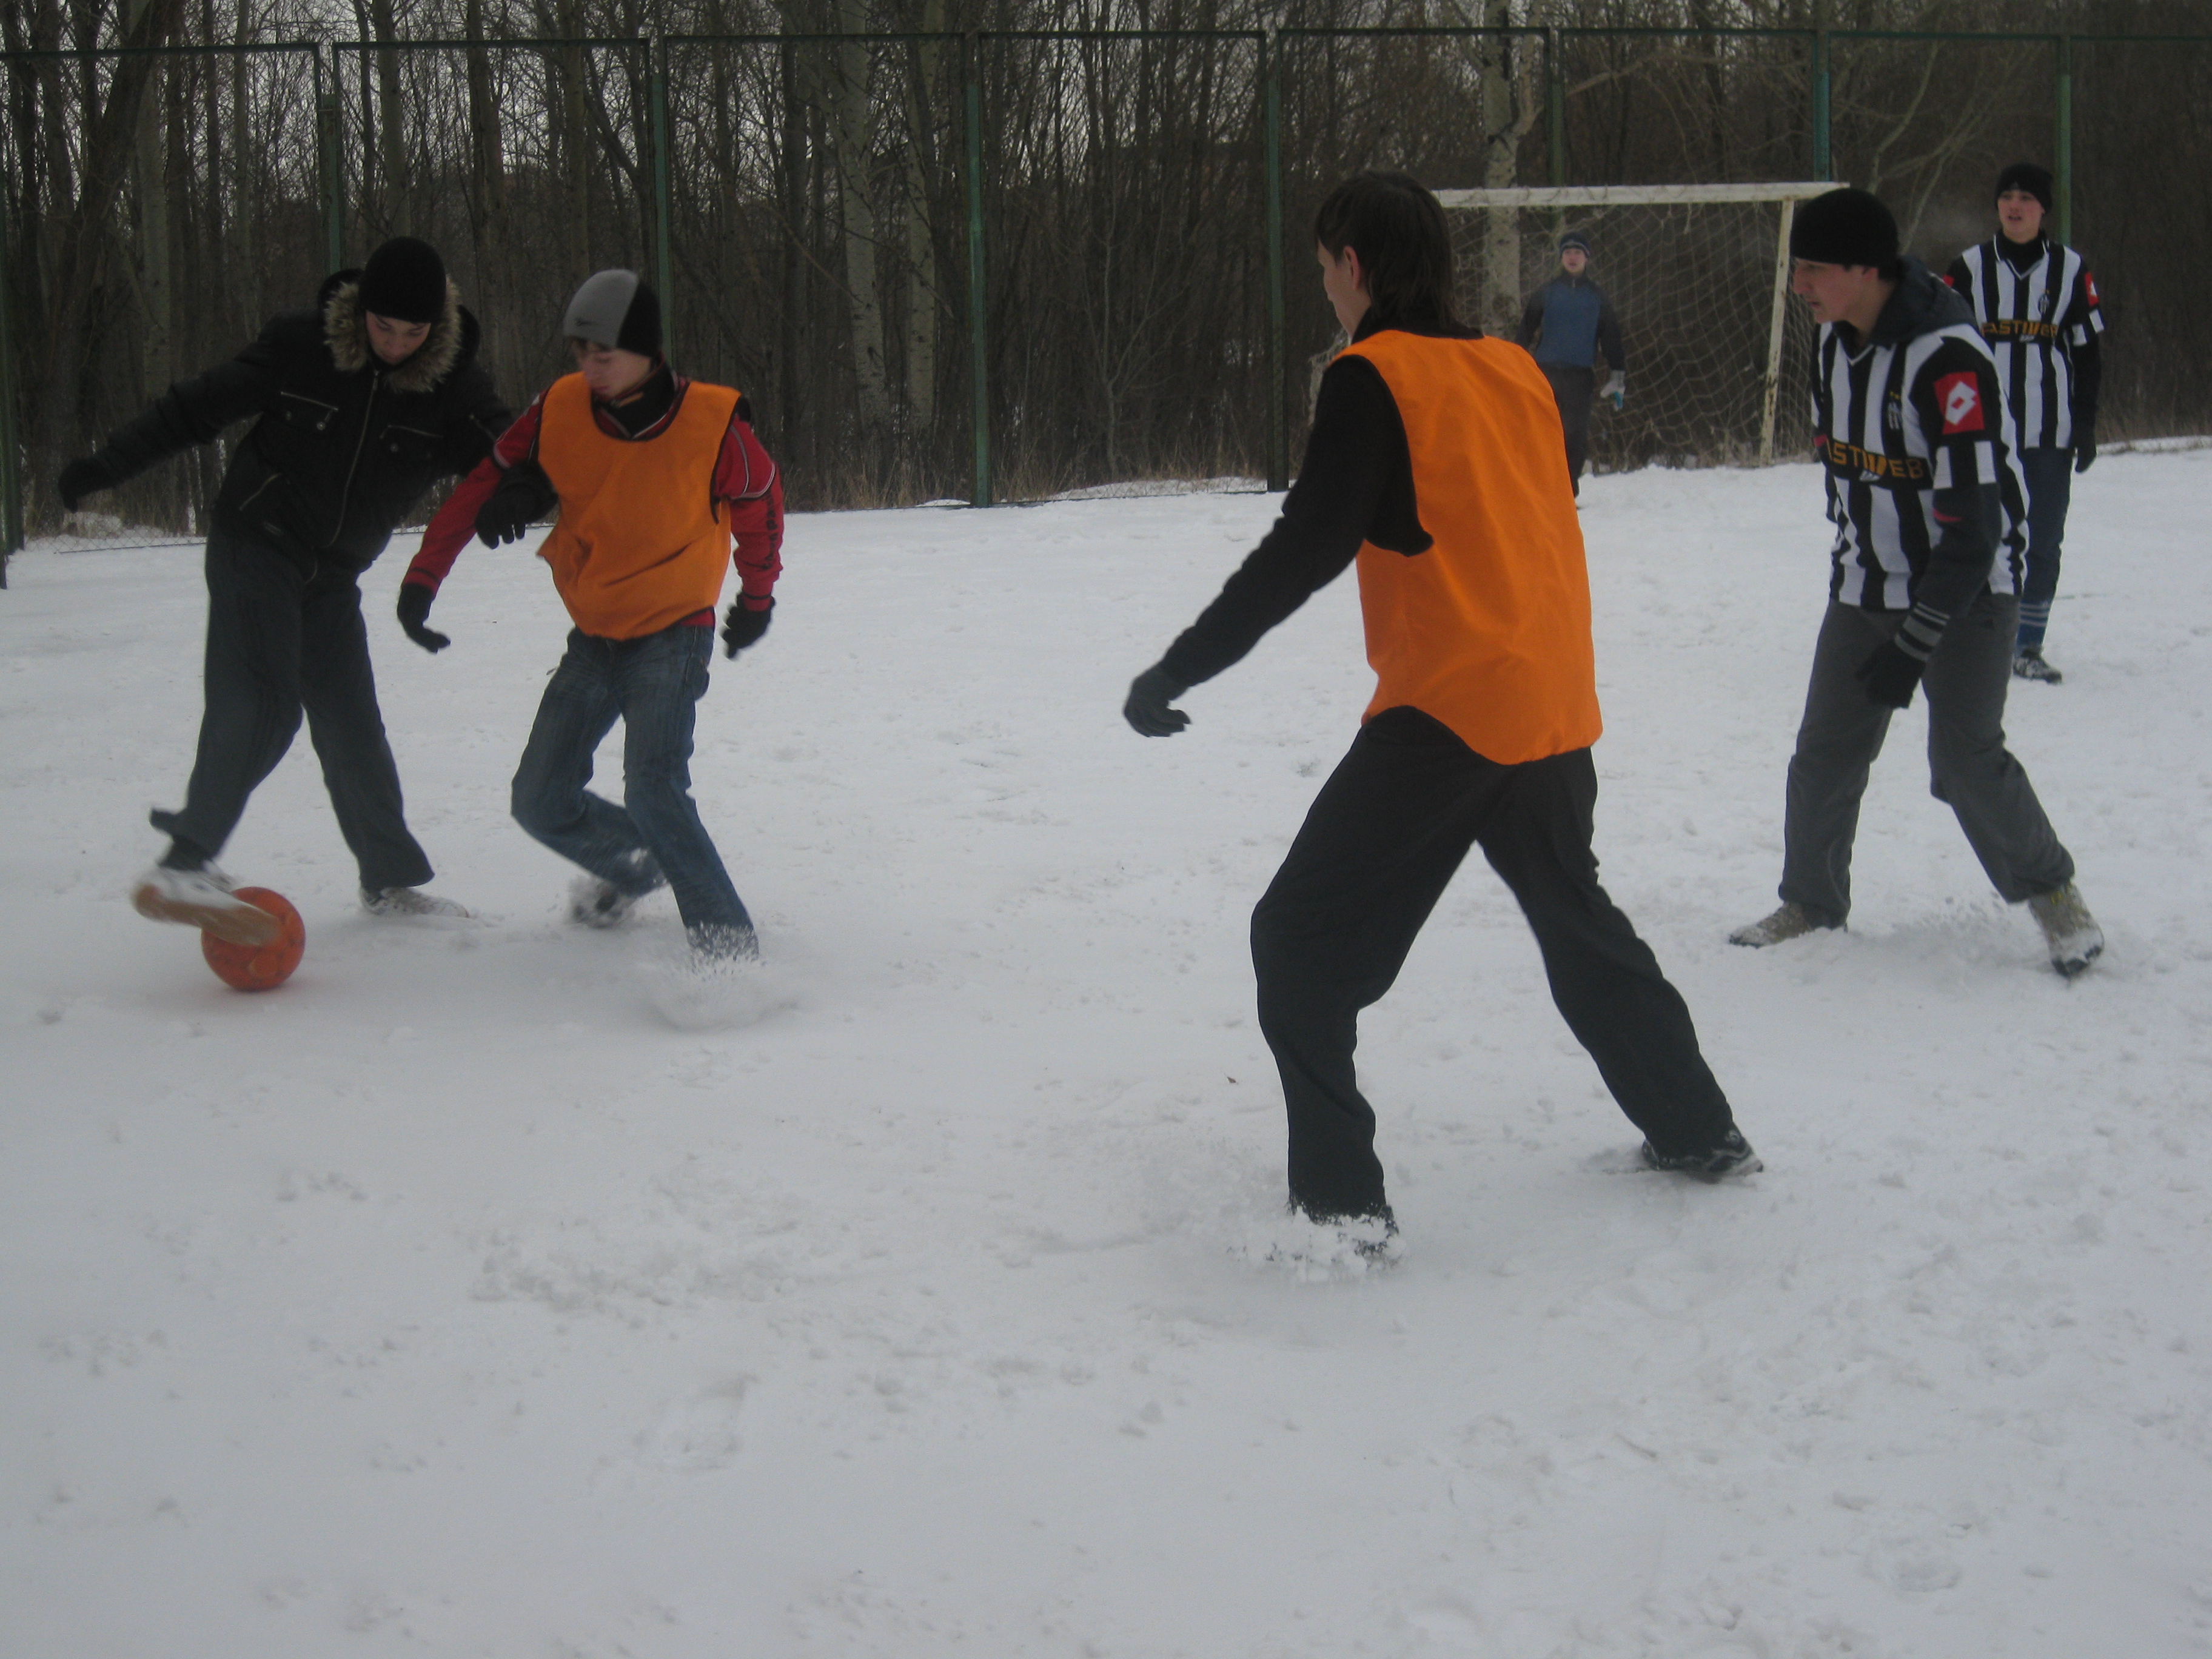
x=1843, y=227
x=1574, y=238
x=616, y=308
x=405, y=280
x=2035, y=180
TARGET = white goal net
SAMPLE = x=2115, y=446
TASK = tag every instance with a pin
x=1699, y=276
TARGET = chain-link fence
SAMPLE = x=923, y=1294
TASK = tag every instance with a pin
x=142, y=245
x=998, y=264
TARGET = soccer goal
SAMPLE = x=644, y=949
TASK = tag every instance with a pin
x=1699, y=277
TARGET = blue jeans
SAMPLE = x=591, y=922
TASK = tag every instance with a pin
x=654, y=685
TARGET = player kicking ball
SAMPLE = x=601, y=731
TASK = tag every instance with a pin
x=652, y=475
x=359, y=405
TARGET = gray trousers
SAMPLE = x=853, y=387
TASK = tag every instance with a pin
x=1969, y=768
x=279, y=643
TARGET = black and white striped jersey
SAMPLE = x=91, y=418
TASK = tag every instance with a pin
x=2035, y=321
x=1913, y=412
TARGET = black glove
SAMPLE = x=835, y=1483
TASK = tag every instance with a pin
x=523, y=495
x=1147, y=709
x=742, y=627
x=415, y=612
x=1890, y=674
x=2085, y=446
x=81, y=478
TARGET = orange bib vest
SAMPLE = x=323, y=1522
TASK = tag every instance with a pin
x=1489, y=630
x=640, y=544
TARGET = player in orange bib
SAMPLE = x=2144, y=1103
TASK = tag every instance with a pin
x=1437, y=465
x=653, y=476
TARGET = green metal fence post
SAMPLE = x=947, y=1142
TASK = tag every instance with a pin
x=11, y=460
x=1555, y=101
x=1279, y=433
x=1823, y=163
x=979, y=351
x=663, y=203
x=2063, y=161
x=331, y=157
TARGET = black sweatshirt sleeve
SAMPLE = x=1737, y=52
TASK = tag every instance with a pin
x=1968, y=495
x=195, y=411
x=2088, y=381
x=1355, y=460
x=1609, y=334
x=1532, y=320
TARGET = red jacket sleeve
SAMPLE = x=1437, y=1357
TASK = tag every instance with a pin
x=749, y=482
x=456, y=521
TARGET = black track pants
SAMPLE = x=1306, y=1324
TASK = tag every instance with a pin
x=1380, y=844
x=1575, y=390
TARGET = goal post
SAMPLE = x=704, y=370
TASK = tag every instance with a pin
x=1699, y=277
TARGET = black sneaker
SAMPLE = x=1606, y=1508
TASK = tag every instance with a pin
x=1361, y=1243
x=2030, y=666
x=593, y=902
x=1732, y=1156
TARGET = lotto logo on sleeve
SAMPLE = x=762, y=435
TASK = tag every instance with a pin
x=1960, y=398
x=2089, y=283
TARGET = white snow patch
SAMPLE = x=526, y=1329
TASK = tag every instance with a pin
x=448, y=1300
x=699, y=993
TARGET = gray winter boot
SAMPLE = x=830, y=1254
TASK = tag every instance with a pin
x=410, y=902
x=2069, y=929
x=1792, y=921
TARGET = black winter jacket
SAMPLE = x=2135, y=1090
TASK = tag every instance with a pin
x=343, y=445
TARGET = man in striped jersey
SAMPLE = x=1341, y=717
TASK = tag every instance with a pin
x=2036, y=304
x=1909, y=423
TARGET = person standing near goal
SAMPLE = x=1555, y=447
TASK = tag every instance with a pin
x=1909, y=426
x=2036, y=304
x=1434, y=464
x=1566, y=323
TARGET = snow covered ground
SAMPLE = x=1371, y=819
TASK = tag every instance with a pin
x=448, y=1301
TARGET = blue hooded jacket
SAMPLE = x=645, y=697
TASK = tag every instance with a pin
x=1569, y=320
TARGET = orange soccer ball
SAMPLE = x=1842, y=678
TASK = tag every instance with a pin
x=260, y=966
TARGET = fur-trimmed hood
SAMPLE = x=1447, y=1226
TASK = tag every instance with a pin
x=452, y=342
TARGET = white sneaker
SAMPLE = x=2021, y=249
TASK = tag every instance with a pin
x=2069, y=929
x=410, y=902
x=202, y=898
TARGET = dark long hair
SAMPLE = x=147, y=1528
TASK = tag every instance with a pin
x=1405, y=250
